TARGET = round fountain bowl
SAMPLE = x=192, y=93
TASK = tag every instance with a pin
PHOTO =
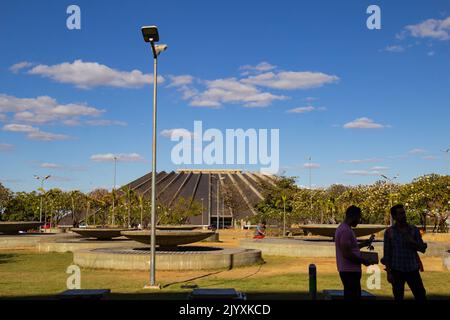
x=99, y=233
x=168, y=238
x=13, y=227
x=180, y=258
x=328, y=230
x=176, y=227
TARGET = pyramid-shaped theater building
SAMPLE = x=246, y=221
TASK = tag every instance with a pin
x=236, y=192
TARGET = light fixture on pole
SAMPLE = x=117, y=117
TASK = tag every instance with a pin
x=42, y=179
x=151, y=34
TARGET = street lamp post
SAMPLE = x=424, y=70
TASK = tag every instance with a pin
x=42, y=179
x=150, y=34
x=114, y=192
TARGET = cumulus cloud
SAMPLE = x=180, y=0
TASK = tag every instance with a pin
x=15, y=68
x=93, y=74
x=34, y=133
x=417, y=151
x=306, y=109
x=363, y=172
x=431, y=28
x=260, y=67
x=289, y=80
x=311, y=165
x=363, y=123
x=394, y=48
x=176, y=132
x=49, y=165
x=232, y=90
x=249, y=90
x=182, y=80
x=361, y=160
x=5, y=147
x=122, y=157
x=44, y=109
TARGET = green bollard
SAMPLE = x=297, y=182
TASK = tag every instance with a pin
x=313, y=281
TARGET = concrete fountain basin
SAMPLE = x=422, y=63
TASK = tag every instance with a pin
x=328, y=230
x=168, y=238
x=100, y=233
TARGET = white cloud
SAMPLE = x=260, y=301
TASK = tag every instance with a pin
x=44, y=109
x=430, y=158
x=431, y=28
x=180, y=132
x=379, y=168
x=361, y=160
x=5, y=147
x=394, y=48
x=92, y=74
x=417, y=151
x=232, y=90
x=48, y=165
x=104, y=122
x=363, y=172
x=260, y=67
x=247, y=90
x=289, y=80
x=306, y=109
x=311, y=165
x=182, y=80
x=363, y=123
x=34, y=133
x=122, y=157
x=15, y=68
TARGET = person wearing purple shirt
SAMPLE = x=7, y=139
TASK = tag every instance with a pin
x=348, y=255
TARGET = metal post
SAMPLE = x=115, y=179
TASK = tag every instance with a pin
x=202, y=214
x=218, y=203
x=42, y=196
x=313, y=281
x=153, y=211
x=223, y=213
x=113, y=221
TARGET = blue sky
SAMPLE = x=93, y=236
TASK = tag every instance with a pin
x=360, y=102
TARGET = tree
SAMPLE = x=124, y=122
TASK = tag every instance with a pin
x=5, y=197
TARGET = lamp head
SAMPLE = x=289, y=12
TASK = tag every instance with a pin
x=160, y=48
x=150, y=33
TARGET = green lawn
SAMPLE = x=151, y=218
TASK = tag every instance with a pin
x=25, y=273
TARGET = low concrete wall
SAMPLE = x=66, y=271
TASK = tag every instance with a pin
x=221, y=259
x=80, y=245
x=306, y=248
x=446, y=260
x=24, y=241
x=212, y=238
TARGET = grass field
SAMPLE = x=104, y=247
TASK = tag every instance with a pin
x=28, y=273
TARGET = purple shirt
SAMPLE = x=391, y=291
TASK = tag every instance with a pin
x=345, y=237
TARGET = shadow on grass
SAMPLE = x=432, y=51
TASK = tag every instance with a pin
x=7, y=257
x=168, y=296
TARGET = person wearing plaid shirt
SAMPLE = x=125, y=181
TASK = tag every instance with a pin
x=402, y=241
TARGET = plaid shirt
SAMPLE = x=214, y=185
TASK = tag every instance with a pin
x=398, y=253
